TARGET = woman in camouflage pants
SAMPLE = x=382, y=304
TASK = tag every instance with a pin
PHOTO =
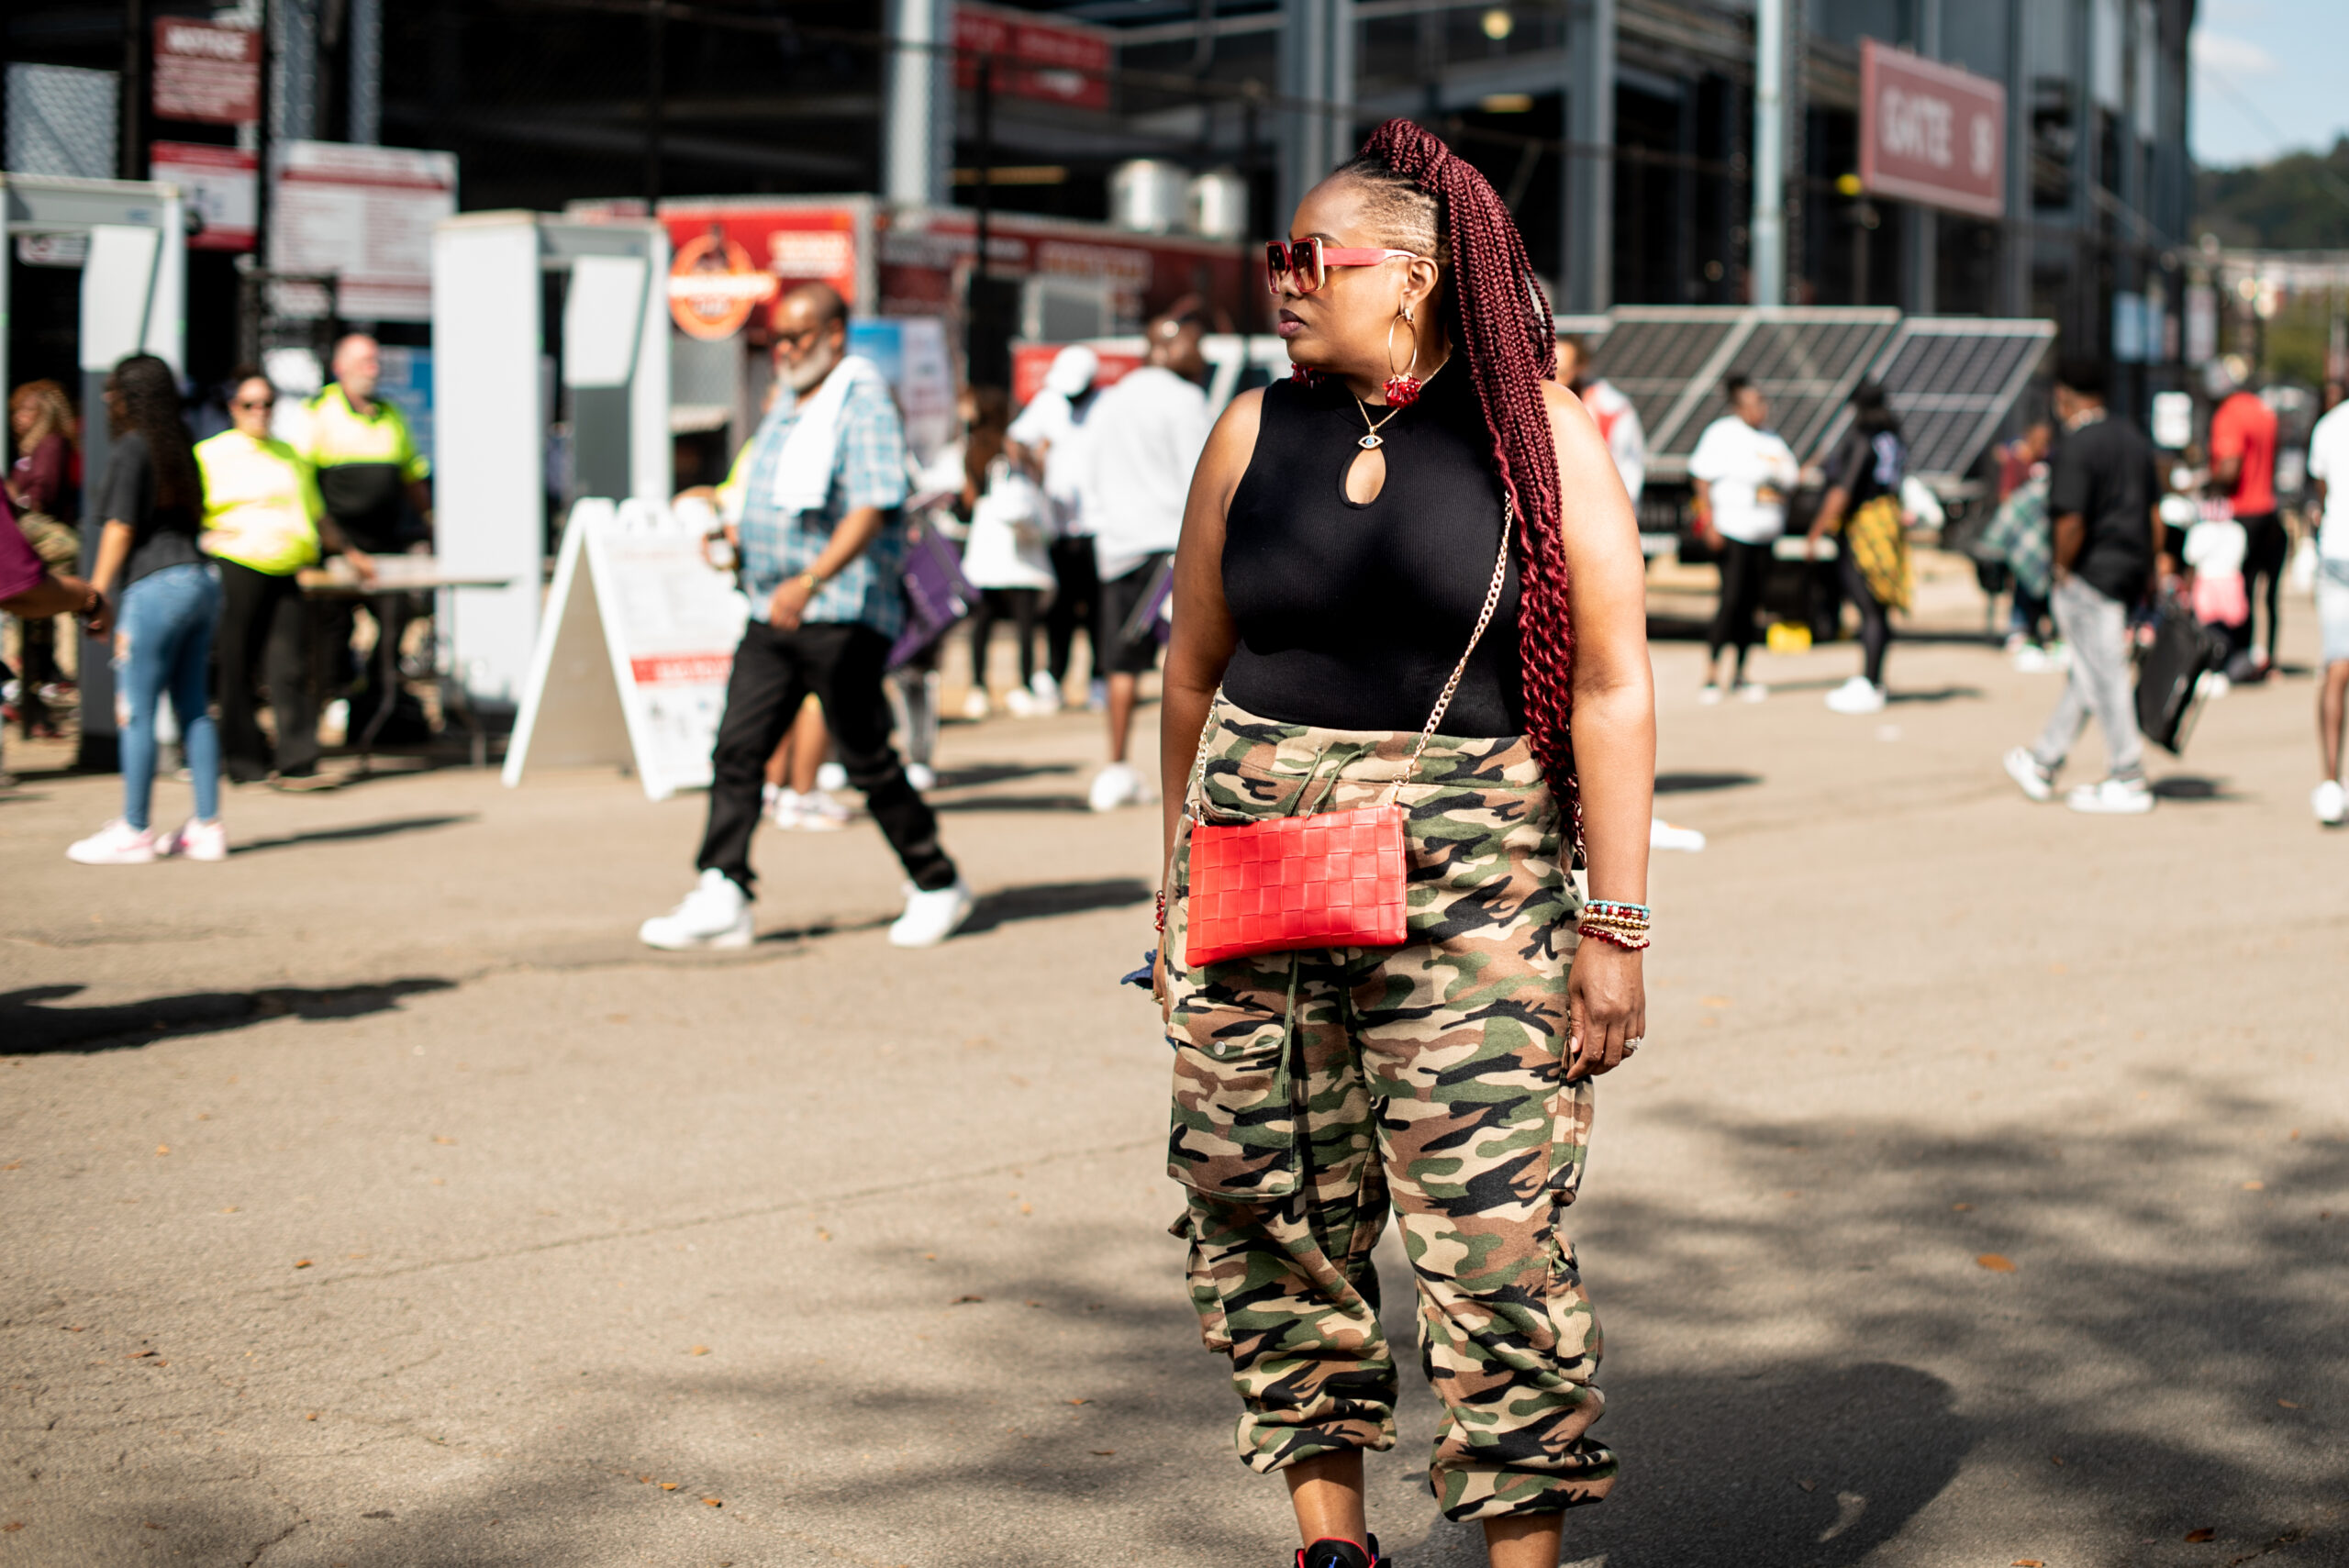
x=1334, y=555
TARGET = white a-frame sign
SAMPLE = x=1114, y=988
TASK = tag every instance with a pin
x=636, y=644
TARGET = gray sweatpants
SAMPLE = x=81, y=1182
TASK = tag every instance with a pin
x=2096, y=629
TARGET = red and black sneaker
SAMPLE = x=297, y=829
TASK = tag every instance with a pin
x=1334, y=1553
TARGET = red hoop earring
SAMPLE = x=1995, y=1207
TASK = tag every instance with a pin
x=1304, y=375
x=1402, y=387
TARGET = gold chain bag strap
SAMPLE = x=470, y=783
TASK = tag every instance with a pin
x=1330, y=879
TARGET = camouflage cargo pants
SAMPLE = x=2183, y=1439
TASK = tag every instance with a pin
x=1312, y=1090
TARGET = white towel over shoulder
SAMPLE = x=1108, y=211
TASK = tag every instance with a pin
x=803, y=474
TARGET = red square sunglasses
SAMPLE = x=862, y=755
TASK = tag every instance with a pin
x=1307, y=262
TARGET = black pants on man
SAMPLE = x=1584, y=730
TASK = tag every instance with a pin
x=264, y=641
x=2265, y=546
x=774, y=673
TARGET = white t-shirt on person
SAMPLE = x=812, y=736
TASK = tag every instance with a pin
x=1751, y=472
x=2329, y=461
x=1141, y=442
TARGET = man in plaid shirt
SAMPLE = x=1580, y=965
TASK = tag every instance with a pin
x=817, y=494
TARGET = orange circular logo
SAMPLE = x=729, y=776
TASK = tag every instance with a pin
x=713, y=288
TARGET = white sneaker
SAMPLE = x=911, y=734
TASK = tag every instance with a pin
x=2213, y=685
x=2030, y=777
x=781, y=806
x=1663, y=834
x=820, y=812
x=976, y=705
x=931, y=918
x=1046, y=691
x=1753, y=690
x=1115, y=786
x=2331, y=803
x=831, y=778
x=1708, y=695
x=199, y=841
x=117, y=844
x=1858, y=694
x=716, y=914
x=922, y=776
x=2114, y=797
x=2031, y=660
x=1020, y=703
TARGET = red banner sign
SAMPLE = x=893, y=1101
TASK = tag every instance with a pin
x=1931, y=133
x=1058, y=62
x=206, y=74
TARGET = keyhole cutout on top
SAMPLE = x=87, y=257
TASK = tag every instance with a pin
x=1366, y=475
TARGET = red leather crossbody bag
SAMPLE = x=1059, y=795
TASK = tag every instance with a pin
x=1327, y=879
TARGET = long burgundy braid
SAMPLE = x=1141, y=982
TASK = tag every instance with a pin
x=1501, y=320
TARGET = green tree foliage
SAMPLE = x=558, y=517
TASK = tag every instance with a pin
x=2300, y=202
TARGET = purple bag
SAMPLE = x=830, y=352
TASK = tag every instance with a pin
x=937, y=595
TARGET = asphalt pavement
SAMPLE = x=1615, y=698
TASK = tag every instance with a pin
x=373, y=1198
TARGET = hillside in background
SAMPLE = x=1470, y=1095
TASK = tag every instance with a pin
x=2300, y=202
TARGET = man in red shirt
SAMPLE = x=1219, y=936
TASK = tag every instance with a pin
x=2243, y=469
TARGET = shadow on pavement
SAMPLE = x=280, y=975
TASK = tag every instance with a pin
x=1698, y=784
x=1934, y=694
x=980, y=773
x=2193, y=787
x=1012, y=803
x=1041, y=901
x=382, y=830
x=29, y=1027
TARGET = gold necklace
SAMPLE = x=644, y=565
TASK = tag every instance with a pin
x=1369, y=440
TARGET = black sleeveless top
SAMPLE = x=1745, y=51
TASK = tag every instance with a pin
x=1350, y=617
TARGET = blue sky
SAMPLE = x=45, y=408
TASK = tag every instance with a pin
x=2268, y=78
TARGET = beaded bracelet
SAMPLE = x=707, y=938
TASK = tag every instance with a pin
x=1627, y=940
x=1162, y=911
x=1606, y=907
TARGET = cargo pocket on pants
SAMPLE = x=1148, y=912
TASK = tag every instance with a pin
x=1198, y=1276
x=1234, y=1127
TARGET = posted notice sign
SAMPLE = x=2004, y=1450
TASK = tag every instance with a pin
x=365, y=216
x=633, y=653
x=1931, y=133
x=205, y=73
x=219, y=182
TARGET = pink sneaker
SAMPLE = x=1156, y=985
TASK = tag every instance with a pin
x=201, y=840
x=117, y=844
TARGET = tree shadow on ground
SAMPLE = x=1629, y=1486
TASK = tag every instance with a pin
x=29, y=1026
x=953, y=1407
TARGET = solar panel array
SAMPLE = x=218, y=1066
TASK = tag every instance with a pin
x=1952, y=380
x=1670, y=362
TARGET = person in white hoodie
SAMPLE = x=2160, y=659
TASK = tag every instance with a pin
x=1141, y=442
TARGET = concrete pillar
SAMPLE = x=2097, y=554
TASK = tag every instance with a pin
x=366, y=71
x=920, y=127
x=1316, y=60
x=1766, y=232
x=1589, y=245
x=1920, y=225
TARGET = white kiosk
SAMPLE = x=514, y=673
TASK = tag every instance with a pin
x=493, y=376
x=134, y=299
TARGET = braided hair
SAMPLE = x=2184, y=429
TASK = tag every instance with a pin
x=1427, y=200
